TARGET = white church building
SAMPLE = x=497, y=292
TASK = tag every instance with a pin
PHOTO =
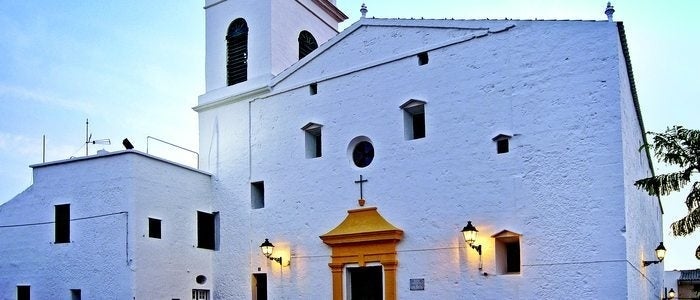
x=368, y=158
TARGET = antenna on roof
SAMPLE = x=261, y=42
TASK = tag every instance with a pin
x=89, y=140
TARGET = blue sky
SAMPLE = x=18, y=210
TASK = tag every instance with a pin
x=135, y=68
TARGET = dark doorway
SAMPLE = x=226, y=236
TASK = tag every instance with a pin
x=23, y=292
x=260, y=286
x=366, y=283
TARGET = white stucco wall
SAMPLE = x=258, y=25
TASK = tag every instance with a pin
x=643, y=229
x=274, y=28
x=109, y=257
x=166, y=268
x=289, y=18
x=671, y=280
x=218, y=17
x=555, y=85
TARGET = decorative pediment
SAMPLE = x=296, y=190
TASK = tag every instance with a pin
x=312, y=127
x=502, y=136
x=506, y=235
x=411, y=104
x=362, y=225
x=363, y=237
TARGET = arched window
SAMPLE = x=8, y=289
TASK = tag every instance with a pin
x=307, y=43
x=237, y=52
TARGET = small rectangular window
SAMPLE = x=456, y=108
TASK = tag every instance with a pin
x=206, y=230
x=23, y=292
x=257, y=194
x=414, y=119
x=502, y=141
x=312, y=137
x=259, y=286
x=313, y=89
x=62, y=223
x=422, y=58
x=200, y=294
x=153, y=228
x=75, y=294
x=502, y=146
x=513, y=257
x=418, y=125
x=507, y=252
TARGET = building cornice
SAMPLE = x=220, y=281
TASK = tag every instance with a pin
x=233, y=98
x=115, y=153
x=331, y=9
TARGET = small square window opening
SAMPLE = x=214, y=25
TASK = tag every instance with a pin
x=513, y=257
x=75, y=294
x=502, y=143
x=200, y=294
x=502, y=146
x=414, y=119
x=313, y=88
x=259, y=288
x=154, y=228
x=422, y=58
x=507, y=252
x=207, y=231
x=312, y=138
x=62, y=223
x=23, y=292
x=257, y=194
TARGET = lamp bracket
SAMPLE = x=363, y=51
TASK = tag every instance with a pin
x=276, y=259
x=650, y=262
x=477, y=248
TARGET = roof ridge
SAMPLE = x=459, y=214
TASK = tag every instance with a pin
x=487, y=19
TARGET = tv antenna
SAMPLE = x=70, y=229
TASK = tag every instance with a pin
x=89, y=140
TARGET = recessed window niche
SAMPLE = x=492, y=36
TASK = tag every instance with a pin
x=422, y=58
x=502, y=143
x=507, y=252
x=312, y=139
x=414, y=119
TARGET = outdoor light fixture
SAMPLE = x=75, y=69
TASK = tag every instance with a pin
x=660, y=254
x=266, y=247
x=470, y=234
x=668, y=295
x=127, y=144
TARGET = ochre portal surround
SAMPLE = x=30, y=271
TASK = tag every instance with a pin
x=364, y=236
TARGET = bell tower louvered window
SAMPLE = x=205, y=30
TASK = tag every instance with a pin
x=307, y=43
x=237, y=52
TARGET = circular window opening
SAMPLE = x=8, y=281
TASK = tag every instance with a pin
x=363, y=154
x=201, y=279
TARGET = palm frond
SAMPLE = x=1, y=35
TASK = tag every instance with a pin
x=692, y=201
x=677, y=146
x=687, y=224
x=663, y=184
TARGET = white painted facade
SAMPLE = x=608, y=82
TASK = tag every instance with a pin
x=110, y=255
x=559, y=89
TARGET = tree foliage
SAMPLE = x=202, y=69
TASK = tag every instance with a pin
x=680, y=147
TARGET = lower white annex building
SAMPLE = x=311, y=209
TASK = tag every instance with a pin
x=527, y=131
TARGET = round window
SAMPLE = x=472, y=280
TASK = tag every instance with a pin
x=201, y=279
x=363, y=154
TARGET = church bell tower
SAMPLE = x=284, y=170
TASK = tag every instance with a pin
x=250, y=41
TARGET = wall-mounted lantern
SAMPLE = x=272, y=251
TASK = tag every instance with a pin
x=660, y=254
x=669, y=294
x=266, y=247
x=470, y=234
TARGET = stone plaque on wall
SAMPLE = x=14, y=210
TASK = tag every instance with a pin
x=417, y=284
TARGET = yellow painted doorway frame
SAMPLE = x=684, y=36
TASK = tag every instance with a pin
x=364, y=236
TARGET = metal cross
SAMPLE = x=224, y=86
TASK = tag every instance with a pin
x=361, y=181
